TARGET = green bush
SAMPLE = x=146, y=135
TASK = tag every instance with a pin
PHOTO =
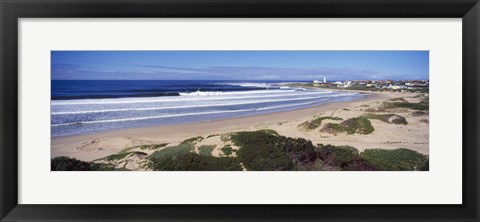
x=195, y=162
x=122, y=155
x=359, y=125
x=390, y=104
x=386, y=117
x=206, y=150
x=64, y=163
x=419, y=113
x=264, y=151
x=399, y=100
x=227, y=150
x=264, y=158
x=269, y=131
x=415, y=106
x=192, y=140
x=144, y=147
x=315, y=123
x=394, y=160
x=338, y=155
x=209, y=136
x=171, y=151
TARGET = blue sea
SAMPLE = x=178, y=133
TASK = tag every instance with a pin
x=89, y=106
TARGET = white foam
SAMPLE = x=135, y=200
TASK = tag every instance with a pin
x=290, y=105
x=178, y=98
x=249, y=84
x=183, y=107
x=150, y=117
x=217, y=93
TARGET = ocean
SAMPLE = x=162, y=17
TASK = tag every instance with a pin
x=89, y=106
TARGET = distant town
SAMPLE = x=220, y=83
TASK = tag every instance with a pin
x=373, y=85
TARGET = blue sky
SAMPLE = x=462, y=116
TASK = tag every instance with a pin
x=239, y=65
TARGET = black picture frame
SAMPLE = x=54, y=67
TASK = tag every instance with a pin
x=12, y=10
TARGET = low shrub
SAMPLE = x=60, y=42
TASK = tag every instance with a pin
x=269, y=131
x=206, y=149
x=419, y=113
x=267, y=157
x=144, y=147
x=195, y=162
x=122, y=155
x=358, y=125
x=398, y=100
x=172, y=151
x=315, y=123
x=394, y=160
x=388, y=118
x=263, y=151
x=227, y=150
x=337, y=155
x=192, y=140
x=359, y=165
x=414, y=106
x=64, y=163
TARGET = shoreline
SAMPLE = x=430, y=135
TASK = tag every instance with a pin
x=70, y=145
x=414, y=136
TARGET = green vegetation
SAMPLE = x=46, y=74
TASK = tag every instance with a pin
x=212, y=135
x=393, y=160
x=171, y=151
x=206, y=149
x=315, y=123
x=144, y=147
x=388, y=118
x=269, y=131
x=399, y=100
x=415, y=106
x=196, y=162
x=180, y=158
x=64, y=163
x=227, y=150
x=339, y=155
x=264, y=150
x=419, y=113
x=422, y=105
x=225, y=137
x=192, y=140
x=358, y=125
x=122, y=155
x=267, y=152
x=152, y=146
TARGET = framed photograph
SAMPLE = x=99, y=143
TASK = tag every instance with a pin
x=225, y=110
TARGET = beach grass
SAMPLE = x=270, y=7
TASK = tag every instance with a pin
x=144, y=147
x=227, y=150
x=64, y=163
x=171, y=151
x=357, y=125
x=388, y=118
x=192, y=140
x=394, y=160
x=389, y=104
x=338, y=155
x=419, y=113
x=122, y=155
x=206, y=149
x=195, y=162
x=315, y=123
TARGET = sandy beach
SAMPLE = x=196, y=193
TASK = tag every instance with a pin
x=414, y=135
